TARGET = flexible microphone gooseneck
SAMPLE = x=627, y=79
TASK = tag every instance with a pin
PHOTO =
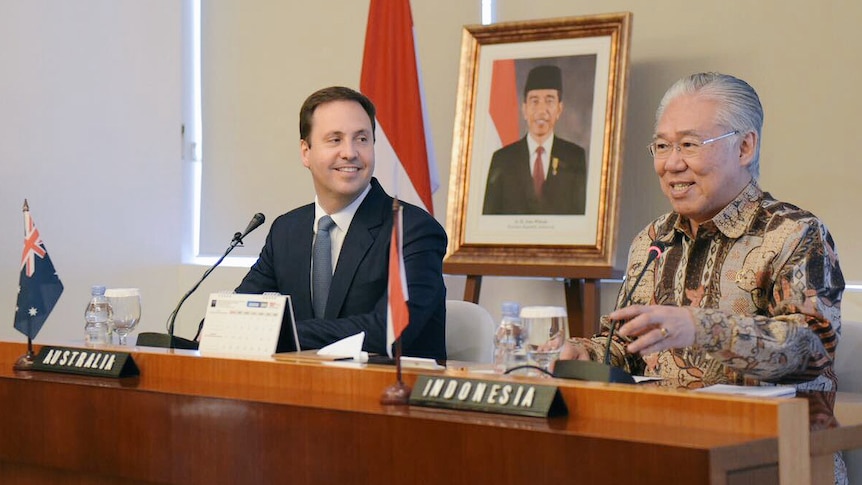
x=604, y=371
x=656, y=249
x=149, y=339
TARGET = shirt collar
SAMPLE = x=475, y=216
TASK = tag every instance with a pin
x=344, y=217
x=735, y=218
x=532, y=144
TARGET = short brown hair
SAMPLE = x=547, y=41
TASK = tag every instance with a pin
x=328, y=95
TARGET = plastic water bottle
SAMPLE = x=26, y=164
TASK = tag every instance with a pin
x=509, y=338
x=96, y=317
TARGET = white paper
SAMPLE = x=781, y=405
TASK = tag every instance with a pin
x=754, y=391
x=639, y=379
x=346, y=348
x=419, y=363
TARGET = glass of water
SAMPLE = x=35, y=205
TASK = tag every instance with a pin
x=126, y=311
x=546, y=333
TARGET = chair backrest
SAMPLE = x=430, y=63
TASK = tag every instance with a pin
x=847, y=357
x=848, y=368
x=469, y=332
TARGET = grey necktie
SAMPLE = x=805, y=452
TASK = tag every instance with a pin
x=321, y=264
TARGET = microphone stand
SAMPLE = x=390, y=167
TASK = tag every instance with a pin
x=236, y=241
x=153, y=339
x=613, y=326
x=587, y=370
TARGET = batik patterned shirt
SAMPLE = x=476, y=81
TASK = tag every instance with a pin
x=763, y=285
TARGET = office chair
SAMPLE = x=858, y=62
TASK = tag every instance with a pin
x=469, y=332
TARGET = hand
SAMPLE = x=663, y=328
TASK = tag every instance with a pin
x=657, y=327
x=574, y=351
x=554, y=343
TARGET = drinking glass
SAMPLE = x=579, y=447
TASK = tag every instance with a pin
x=546, y=333
x=126, y=310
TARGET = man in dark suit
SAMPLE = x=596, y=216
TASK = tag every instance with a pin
x=523, y=179
x=337, y=146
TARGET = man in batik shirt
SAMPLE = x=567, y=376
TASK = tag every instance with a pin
x=749, y=288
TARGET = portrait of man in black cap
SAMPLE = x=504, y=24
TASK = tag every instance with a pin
x=541, y=173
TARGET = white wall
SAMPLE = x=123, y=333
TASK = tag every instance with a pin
x=90, y=127
x=91, y=114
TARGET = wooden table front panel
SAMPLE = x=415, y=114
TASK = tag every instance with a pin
x=197, y=420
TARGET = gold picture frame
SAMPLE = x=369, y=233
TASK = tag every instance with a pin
x=497, y=64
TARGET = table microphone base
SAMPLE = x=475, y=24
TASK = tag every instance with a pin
x=163, y=340
x=587, y=370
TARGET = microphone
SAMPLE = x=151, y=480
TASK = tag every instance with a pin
x=153, y=339
x=256, y=221
x=604, y=371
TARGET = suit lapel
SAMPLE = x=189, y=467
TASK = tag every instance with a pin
x=363, y=231
x=524, y=148
x=555, y=154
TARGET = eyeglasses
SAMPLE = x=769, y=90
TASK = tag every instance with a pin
x=687, y=147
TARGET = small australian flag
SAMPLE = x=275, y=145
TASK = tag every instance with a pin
x=39, y=287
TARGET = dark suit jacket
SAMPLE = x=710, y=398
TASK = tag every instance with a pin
x=358, y=292
x=510, y=181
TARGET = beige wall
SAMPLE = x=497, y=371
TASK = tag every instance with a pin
x=261, y=59
x=94, y=91
x=801, y=56
x=803, y=59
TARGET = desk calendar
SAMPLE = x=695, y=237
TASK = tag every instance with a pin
x=244, y=324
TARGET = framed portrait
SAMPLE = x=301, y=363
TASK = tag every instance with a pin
x=535, y=173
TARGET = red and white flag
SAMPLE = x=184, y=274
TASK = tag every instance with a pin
x=391, y=78
x=504, y=112
x=397, y=313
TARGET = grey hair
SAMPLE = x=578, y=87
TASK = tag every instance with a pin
x=739, y=106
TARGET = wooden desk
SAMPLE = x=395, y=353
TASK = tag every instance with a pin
x=190, y=419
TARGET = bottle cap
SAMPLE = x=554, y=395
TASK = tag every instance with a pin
x=511, y=307
x=122, y=292
x=97, y=290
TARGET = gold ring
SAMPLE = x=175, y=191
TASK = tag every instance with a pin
x=663, y=331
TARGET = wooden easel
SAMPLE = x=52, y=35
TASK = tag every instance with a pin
x=582, y=289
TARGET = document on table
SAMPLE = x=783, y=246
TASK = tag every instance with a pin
x=753, y=391
x=639, y=379
x=243, y=324
x=346, y=348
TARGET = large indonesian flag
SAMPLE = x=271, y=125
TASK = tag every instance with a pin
x=390, y=77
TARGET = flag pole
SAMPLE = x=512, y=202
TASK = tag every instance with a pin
x=398, y=393
x=25, y=362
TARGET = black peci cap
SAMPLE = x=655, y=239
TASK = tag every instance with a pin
x=544, y=77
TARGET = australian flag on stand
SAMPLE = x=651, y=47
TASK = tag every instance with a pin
x=39, y=287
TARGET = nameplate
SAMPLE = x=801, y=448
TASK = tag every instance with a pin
x=506, y=397
x=88, y=362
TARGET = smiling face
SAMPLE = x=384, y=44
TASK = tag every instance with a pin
x=542, y=109
x=700, y=187
x=339, y=152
